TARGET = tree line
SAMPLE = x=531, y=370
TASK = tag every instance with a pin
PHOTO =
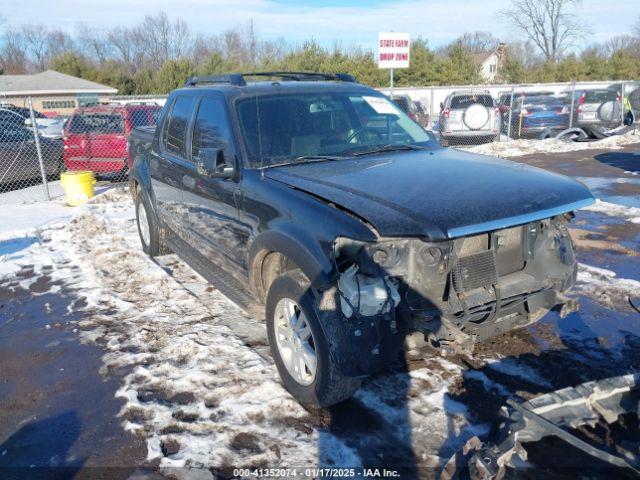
x=159, y=53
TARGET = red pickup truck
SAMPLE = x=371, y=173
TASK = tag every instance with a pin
x=95, y=137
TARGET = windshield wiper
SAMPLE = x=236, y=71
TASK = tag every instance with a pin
x=316, y=158
x=390, y=148
x=304, y=159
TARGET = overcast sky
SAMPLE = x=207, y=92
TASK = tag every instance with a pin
x=353, y=22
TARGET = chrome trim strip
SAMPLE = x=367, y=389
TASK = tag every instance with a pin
x=518, y=219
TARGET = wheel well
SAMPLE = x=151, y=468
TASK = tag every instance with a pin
x=267, y=266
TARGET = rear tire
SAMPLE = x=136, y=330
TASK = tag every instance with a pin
x=325, y=386
x=151, y=237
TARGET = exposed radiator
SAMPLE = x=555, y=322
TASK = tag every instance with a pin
x=475, y=271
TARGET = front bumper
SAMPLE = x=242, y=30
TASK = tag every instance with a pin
x=476, y=286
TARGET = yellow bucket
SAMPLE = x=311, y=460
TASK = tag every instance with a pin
x=78, y=186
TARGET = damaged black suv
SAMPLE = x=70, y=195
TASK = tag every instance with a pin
x=350, y=222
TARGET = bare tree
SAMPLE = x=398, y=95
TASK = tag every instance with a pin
x=636, y=27
x=93, y=43
x=547, y=23
x=35, y=40
x=523, y=53
x=13, y=55
x=619, y=43
x=162, y=39
x=125, y=47
x=478, y=42
x=58, y=42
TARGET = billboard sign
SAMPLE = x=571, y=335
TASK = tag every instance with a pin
x=393, y=50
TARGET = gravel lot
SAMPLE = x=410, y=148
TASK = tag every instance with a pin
x=111, y=360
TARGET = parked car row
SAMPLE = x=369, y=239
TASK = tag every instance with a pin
x=476, y=116
x=92, y=138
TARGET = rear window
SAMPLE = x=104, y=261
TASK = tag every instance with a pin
x=505, y=98
x=464, y=101
x=544, y=100
x=175, y=129
x=97, y=123
x=599, y=96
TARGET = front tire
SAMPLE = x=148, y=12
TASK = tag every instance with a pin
x=299, y=346
x=148, y=229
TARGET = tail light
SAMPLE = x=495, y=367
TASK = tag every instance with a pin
x=446, y=113
x=581, y=101
x=562, y=110
x=524, y=112
x=413, y=117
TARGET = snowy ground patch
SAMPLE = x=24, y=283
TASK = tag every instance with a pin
x=520, y=147
x=198, y=393
x=615, y=210
x=605, y=287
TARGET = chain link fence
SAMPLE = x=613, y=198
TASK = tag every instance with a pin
x=42, y=137
x=29, y=158
x=469, y=116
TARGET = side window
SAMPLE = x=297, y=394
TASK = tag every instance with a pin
x=176, y=127
x=211, y=128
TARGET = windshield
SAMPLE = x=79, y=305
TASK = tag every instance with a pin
x=290, y=128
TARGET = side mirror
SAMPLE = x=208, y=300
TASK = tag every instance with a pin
x=211, y=163
x=441, y=106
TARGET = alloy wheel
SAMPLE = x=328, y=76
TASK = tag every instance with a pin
x=295, y=341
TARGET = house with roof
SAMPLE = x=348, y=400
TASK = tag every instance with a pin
x=490, y=63
x=52, y=93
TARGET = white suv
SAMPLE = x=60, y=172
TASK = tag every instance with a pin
x=469, y=117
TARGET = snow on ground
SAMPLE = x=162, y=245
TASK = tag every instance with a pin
x=615, y=210
x=605, y=287
x=31, y=194
x=192, y=387
x=24, y=211
x=516, y=148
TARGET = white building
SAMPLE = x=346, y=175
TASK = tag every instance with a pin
x=490, y=63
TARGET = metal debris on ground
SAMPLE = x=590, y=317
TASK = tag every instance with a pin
x=561, y=414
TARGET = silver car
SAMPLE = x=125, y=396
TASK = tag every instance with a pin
x=469, y=117
x=599, y=107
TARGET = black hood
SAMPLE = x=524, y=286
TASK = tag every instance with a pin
x=444, y=193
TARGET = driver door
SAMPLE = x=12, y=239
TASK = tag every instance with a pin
x=212, y=204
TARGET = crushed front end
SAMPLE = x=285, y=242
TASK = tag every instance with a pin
x=468, y=289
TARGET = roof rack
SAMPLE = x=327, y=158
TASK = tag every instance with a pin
x=231, y=79
x=305, y=76
x=238, y=79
